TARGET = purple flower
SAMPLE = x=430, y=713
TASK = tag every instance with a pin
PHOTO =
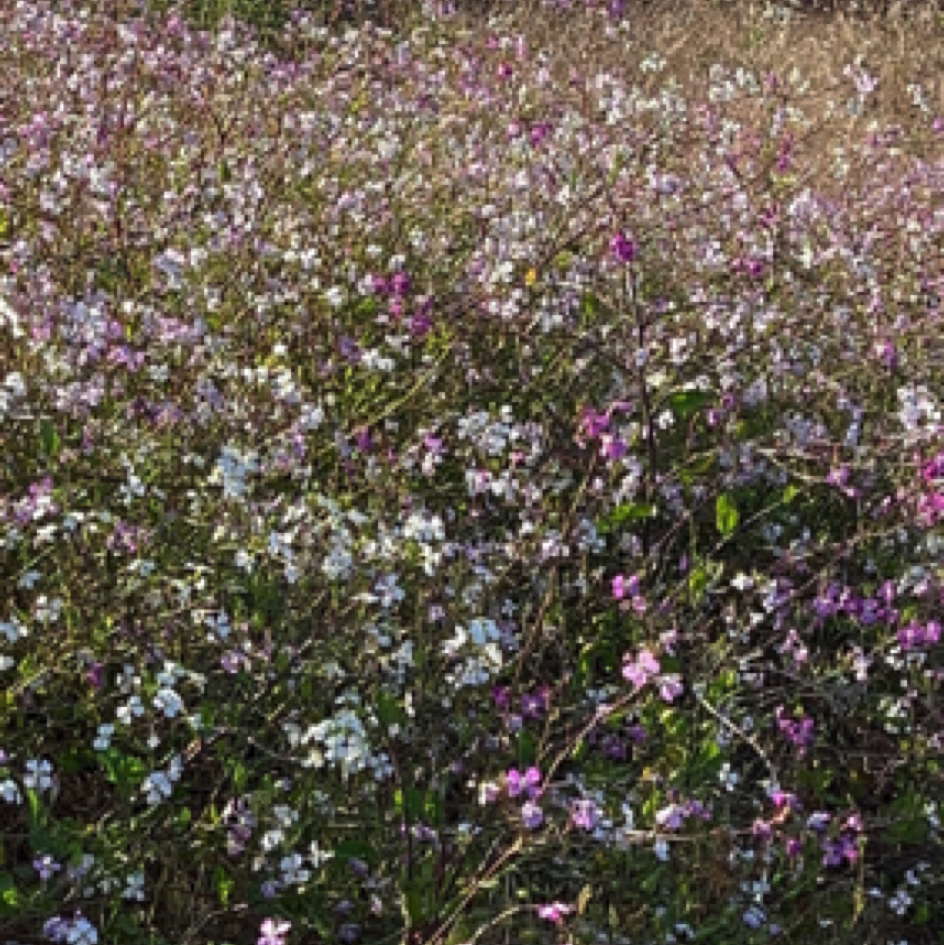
x=624, y=249
x=532, y=815
x=670, y=817
x=670, y=686
x=56, y=929
x=761, y=829
x=96, y=674
x=45, y=865
x=379, y=285
x=584, y=814
x=401, y=283
x=533, y=705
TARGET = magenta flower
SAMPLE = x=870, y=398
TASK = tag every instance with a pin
x=400, y=284
x=554, y=911
x=514, y=782
x=532, y=778
x=624, y=249
x=623, y=586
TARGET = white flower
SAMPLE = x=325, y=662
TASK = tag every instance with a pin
x=319, y=856
x=728, y=777
x=168, y=702
x=335, y=296
x=157, y=786
x=9, y=316
x=82, y=933
x=661, y=849
x=135, y=887
x=900, y=902
x=103, y=741
x=10, y=792
x=47, y=610
x=742, y=582
x=292, y=872
x=38, y=775
x=132, y=708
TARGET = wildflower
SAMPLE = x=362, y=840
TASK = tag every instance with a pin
x=38, y=775
x=728, y=777
x=488, y=792
x=670, y=686
x=638, y=672
x=45, y=865
x=624, y=249
x=623, y=585
x=584, y=814
x=532, y=815
x=554, y=911
x=273, y=933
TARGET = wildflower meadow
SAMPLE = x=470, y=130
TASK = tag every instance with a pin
x=471, y=476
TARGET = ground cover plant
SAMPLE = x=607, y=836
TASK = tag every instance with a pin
x=480, y=481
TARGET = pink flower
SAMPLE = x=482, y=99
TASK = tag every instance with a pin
x=670, y=686
x=514, y=782
x=638, y=672
x=648, y=662
x=273, y=933
x=554, y=911
x=623, y=585
x=584, y=814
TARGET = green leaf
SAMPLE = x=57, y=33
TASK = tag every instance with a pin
x=629, y=511
x=790, y=493
x=726, y=515
x=50, y=438
x=224, y=884
x=414, y=803
x=526, y=752
x=9, y=898
x=359, y=849
x=388, y=711
x=687, y=403
x=697, y=583
x=433, y=808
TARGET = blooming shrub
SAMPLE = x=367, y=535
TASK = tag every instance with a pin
x=453, y=494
